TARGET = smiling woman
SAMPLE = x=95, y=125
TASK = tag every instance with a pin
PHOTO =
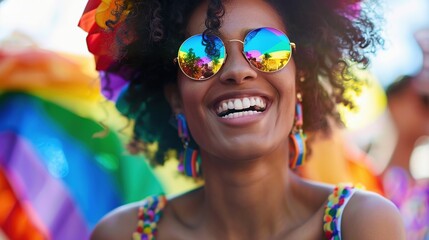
x=237, y=77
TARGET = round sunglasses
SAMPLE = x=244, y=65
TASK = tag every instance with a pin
x=267, y=49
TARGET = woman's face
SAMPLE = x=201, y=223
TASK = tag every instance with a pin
x=239, y=137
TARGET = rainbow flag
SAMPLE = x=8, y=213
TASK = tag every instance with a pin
x=62, y=162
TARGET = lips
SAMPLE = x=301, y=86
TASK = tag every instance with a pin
x=239, y=107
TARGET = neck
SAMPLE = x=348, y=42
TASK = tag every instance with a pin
x=402, y=153
x=249, y=198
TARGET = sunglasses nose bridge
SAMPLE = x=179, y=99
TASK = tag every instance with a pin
x=239, y=41
x=242, y=51
x=236, y=40
x=236, y=68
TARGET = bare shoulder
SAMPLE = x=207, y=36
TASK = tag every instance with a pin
x=371, y=216
x=118, y=224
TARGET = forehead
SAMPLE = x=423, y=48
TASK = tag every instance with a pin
x=240, y=17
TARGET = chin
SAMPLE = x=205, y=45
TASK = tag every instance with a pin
x=245, y=151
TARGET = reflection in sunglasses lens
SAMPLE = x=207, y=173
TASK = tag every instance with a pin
x=267, y=49
x=201, y=58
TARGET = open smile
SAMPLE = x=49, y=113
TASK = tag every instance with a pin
x=239, y=107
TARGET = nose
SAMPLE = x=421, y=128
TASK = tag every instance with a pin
x=236, y=68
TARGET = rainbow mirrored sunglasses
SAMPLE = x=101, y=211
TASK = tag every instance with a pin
x=267, y=49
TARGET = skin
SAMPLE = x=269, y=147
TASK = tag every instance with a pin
x=249, y=191
x=409, y=113
x=411, y=118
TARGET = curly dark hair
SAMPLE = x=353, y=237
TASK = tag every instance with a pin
x=331, y=35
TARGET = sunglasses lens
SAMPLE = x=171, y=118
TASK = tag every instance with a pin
x=267, y=49
x=199, y=58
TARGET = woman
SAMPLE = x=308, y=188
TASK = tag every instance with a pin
x=409, y=194
x=242, y=119
x=399, y=141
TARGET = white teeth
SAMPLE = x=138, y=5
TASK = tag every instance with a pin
x=238, y=105
x=240, y=114
x=252, y=102
x=230, y=105
x=246, y=103
x=241, y=103
x=224, y=106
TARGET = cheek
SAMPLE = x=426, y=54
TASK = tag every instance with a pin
x=191, y=93
x=285, y=85
x=288, y=108
x=288, y=97
x=192, y=96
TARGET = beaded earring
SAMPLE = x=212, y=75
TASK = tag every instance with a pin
x=189, y=160
x=297, y=137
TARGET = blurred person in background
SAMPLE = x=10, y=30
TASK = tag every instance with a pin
x=405, y=130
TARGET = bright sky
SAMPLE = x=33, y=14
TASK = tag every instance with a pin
x=53, y=25
x=402, y=55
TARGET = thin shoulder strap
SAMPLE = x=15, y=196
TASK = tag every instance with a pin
x=149, y=214
x=334, y=209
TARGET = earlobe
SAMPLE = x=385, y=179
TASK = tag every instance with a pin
x=172, y=95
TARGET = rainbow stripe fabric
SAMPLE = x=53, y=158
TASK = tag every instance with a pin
x=61, y=170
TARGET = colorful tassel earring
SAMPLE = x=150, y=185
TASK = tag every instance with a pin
x=189, y=160
x=297, y=137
